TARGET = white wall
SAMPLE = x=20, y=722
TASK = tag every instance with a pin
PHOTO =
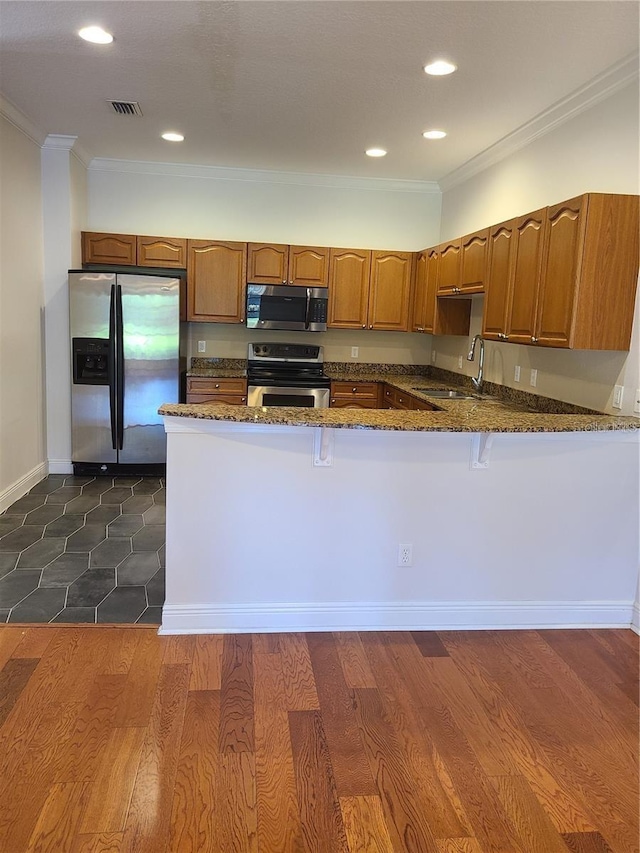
x=597, y=151
x=22, y=428
x=491, y=548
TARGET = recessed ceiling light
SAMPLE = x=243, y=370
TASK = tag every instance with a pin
x=440, y=67
x=173, y=137
x=434, y=134
x=375, y=152
x=96, y=35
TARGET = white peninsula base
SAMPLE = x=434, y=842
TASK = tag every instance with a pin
x=278, y=528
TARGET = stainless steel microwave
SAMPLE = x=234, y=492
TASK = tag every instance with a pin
x=291, y=308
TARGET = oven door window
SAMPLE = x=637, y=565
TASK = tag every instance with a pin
x=279, y=399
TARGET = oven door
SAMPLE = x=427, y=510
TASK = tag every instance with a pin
x=276, y=395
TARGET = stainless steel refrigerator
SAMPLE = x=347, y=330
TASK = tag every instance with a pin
x=127, y=350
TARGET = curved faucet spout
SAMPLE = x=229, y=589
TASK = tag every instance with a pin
x=477, y=380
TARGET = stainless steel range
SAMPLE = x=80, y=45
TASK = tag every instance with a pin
x=287, y=375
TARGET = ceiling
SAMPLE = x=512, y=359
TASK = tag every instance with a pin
x=304, y=86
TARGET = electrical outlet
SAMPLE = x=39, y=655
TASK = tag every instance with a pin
x=202, y=346
x=460, y=362
x=516, y=373
x=405, y=555
x=354, y=352
x=434, y=355
x=533, y=380
x=636, y=405
x=618, y=391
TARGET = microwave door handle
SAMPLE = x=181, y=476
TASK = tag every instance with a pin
x=308, y=309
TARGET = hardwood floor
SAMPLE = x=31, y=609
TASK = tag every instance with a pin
x=115, y=740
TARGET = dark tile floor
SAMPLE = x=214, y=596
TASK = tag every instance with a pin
x=84, y=549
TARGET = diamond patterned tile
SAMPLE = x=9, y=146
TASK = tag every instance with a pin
x=137, y=505
x=87, y=537
x=84, y=503
x=76, y=615
x=160, y=498
x=156, y=589
x=64, y=526
x=111, y=552
x=150, y=538
x=97, y=486
x=40, y=606
x=21, y=538
x=125, y=525
x=124, y=604
x=155, y=515
x=151, y=616
x=9, y=523
x=25, y=504
x=8, y=562
x=63, y=495
x=64, y=570
x=49, y=484
x=138, y=568
x=103, y=514
x=17, y=585
x=147, y=486
x=120, y=482
x=44, y=514
x=115, y=496
x=91, y=588
x=40, y=554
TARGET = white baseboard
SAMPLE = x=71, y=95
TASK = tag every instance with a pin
x=393, y=616
x=16, y=490
x=60, y=466
x=635, y=617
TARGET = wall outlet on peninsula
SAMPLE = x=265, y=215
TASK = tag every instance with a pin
x=460, y=362
x=405, y=555
x=516, y=373
x=533, y=379
x=202, y=346
x=618, y=392
x=354, y=352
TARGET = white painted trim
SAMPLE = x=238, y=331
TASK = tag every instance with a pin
x=60, y=140
x=20, y=488
x=261, y=176
x=60, y=466
x=599, y=88
x=635, y=617
x=18, y=119
x=393, y=616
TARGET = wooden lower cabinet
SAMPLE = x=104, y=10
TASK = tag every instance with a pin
x=355, y=395
x=395, y=398
x=213, y=390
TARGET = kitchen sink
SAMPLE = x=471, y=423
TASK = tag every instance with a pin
x=447, y=394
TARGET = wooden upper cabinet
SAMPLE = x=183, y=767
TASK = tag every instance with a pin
x=216, y=275
x=349, y=290
x=473, y=261
x=449, y=277
x=308, y=266
x=390, y=293
x=267, y=263
x=420, y=308
x=496, y=302
x=525, y=276
x=99, y=248
x=165, y=252
x=432, y=272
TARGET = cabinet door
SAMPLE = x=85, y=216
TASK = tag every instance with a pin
x=100, y=248
x=308, y=266
x=530, y=232
x=432, y=272
x=349, y=288
x=496, y=302
x=217, y=399
x=420, y=310
x=473, y=262
x=267, y=263
x=216, y=281
x=559, y=279
x=166, y=252
x=390, y=293
x=449, y=280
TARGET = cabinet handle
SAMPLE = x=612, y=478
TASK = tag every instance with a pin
x=371, y=327
x=291, y=282
x=217, y=384
x=244, y=399
x=354, y=390
x=284, y=281
x=534, y=340
x=420, y=329
x=334, y=399
x=364, y=325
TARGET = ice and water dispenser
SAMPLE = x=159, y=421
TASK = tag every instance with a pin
x=91, y=361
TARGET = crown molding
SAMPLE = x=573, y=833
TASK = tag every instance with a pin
x=64, y=142
x=223, y=173
x=610, y=81
x=19, y=120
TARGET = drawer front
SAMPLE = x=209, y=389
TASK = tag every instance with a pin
x=353, y=402
x=228, y=399
x=423, y=406
x=202, y=385
x=401, y=399
x=359, y=390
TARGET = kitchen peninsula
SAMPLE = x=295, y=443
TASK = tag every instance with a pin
x=288, y=520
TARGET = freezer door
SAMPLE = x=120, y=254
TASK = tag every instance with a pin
x=90, y=311
x=150, y=308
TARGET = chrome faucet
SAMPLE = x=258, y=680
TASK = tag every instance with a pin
x=477, y=380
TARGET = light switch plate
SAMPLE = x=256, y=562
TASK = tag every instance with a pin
x=354, y=352
x=516, y=373
x=460, y=362
x=434, y=355
x=202, y=346
x=533, y=380
x=618, y=391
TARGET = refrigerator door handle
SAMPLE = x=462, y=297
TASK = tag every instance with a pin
x=120, y=362
x=112, y=367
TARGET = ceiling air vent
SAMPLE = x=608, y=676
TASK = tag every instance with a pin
x=126, y=108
